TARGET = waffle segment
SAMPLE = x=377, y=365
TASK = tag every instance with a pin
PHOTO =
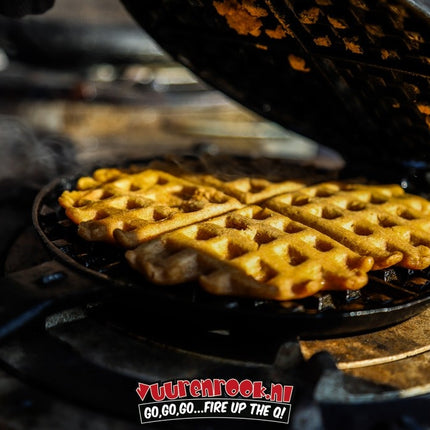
x=251, y=252
x=248, y=190
x=383, y=222
x=131, y=207
x=229, y=178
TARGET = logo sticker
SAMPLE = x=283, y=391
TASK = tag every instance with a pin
x=214, y=398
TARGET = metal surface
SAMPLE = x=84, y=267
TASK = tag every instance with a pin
x=351, y=75
x=83, y=36
x=71, y=356
x=78, y=368
x=401, y=341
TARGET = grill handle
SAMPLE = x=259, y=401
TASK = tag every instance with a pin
x=17, y=311
x=29, y=295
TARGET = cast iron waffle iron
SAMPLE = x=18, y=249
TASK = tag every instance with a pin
x=81, y=272
x=351, y=74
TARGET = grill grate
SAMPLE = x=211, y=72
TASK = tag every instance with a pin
x=392, y=295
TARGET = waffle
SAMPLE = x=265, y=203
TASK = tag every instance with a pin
x=252, y=252
x=183, y=224
x=247, y=190
x=132, y=206
x=234, y=179
x=384, y=222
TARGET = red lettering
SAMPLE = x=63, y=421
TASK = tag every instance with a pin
x=288, y=391
x=157, y=392
x=142, y=389
x=195, y=388
x=276, y=393
x=171, y=390
x=245, y=388
x=218, y=383
x=214, y=388
x=259, y=390
x=232, y=387
x=182, y=383
x=207, y=388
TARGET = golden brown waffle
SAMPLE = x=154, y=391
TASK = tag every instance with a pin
x=300, y=239
x=247, y=190
x=247, y=187
x=381, y=221
x=132, y=206
x=251, y=252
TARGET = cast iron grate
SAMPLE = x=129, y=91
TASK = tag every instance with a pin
x=391, y=295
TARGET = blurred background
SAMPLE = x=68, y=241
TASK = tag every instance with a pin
x=83, y=84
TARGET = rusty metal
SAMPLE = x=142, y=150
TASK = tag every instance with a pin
x=399, y=342
x=352, y=75
x=388, y=364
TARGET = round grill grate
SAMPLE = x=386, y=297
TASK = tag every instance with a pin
x=391, y=295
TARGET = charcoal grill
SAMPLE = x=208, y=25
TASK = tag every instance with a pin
x=97, y=331
x=391, y=295
x=76, y=322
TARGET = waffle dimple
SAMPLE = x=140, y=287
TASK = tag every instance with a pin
x=252, y=252
x=381, y=221
x=132, y=206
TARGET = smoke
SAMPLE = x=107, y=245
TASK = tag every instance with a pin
x=29, y=160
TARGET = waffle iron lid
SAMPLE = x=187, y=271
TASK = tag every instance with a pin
x=352, y=75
